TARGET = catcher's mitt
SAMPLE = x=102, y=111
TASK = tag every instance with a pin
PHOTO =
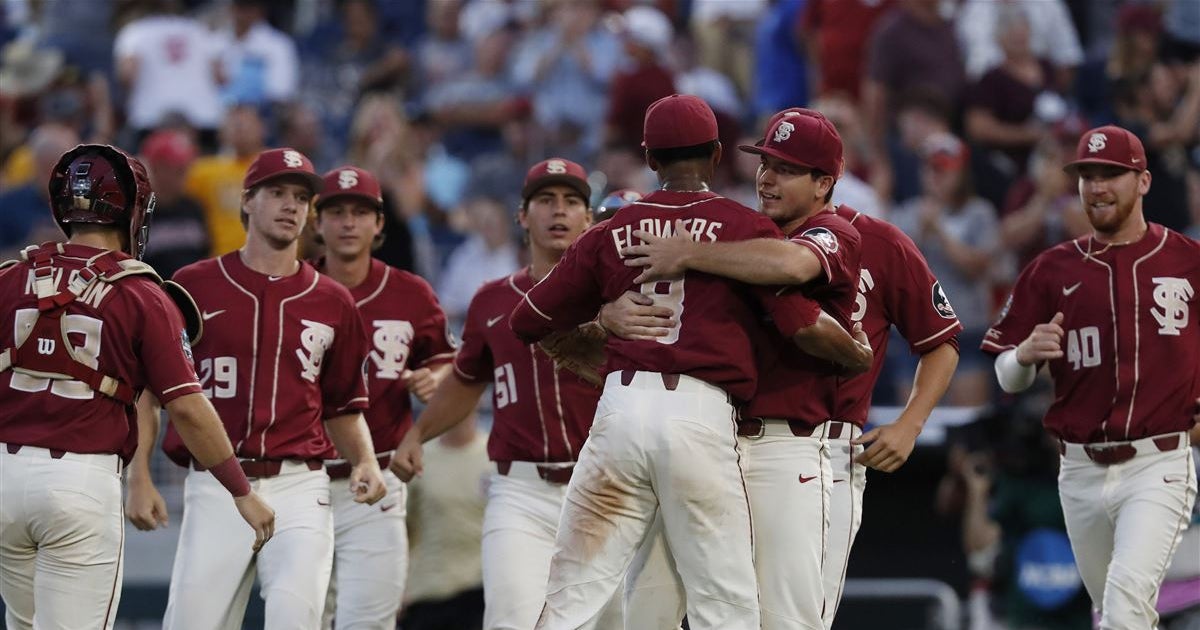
x=580, y=350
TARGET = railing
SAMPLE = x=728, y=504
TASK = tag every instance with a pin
x=946, y=609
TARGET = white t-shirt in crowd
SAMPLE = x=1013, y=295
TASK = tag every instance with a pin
x=259, y=68
x=175, y=60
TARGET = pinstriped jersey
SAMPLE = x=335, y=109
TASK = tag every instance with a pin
x=542, y=412
x=1131, y=355
x=278, y=356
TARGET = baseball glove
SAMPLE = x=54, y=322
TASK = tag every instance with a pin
x=580, y=350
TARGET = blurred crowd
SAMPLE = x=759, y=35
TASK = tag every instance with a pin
x=956, y=116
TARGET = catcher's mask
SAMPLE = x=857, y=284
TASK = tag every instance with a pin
x=103, y=185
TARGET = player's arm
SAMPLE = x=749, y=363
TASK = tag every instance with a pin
x=424, y=381
x=569, y=296
x=891, y=444
x=144, y=505
x=826, y=339
x=353, y=441
x=1017, y=368
x=753, y=261
x=452, y=403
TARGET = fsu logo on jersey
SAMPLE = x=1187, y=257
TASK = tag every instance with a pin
x=1172, y=296
x=1097, y=142
x=392, y=339
x=941, y=303
x=823, y=237
x=315, y=339
x=347, y=179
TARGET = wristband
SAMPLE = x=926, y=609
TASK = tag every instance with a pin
x=229, y=473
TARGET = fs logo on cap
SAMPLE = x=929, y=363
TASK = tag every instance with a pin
x=784, y=131
x=1097, y=142
x=293, y=159
x=347, y=179
x=556, y=167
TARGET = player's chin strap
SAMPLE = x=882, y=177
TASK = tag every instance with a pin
x=53, y=356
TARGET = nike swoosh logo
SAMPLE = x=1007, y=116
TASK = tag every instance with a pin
x=804, y=479
x=273, y=278
x=1171, y=479
x=384, y=508
x=493, y=320
x=320, y=502
x=207, y=316
x=1071, y=289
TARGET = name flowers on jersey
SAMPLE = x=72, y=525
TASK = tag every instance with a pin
x=700, y=229
x=1171, y=295
x=392, y=339
x=315, y=339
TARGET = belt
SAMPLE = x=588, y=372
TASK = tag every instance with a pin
x=1109, y=453
x=104, y=460
x=669, y=381
x=341, y=470
x=263, y=468
x=551, y=474
x=760, y=427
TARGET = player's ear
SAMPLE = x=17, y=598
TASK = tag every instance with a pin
x=1144, y=179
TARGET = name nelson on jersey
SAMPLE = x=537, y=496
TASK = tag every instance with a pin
x=93, y=295
x=665, y=228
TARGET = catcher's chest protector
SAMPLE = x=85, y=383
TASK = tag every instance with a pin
x=42, y=348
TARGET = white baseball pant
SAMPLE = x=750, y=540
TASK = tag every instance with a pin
x=215, y=565
x=520, y=522
x=1125, y=521
x=370, y=558
x=845, y=514
x=656, y=448
x=62, y=536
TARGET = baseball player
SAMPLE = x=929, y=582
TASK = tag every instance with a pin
x=542, y=412
x=1111, y=315
x=664, y=438
x=895, y=287
x=410, y=351
x=90, y=328
x=284, y=351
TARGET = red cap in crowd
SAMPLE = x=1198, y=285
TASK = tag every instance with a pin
x=678, y=120
x=173, y=148
x=945, y=152
x=804, y=137
x=557, y=171
x=1110, y=145
x=350, y=181
x=274, y=163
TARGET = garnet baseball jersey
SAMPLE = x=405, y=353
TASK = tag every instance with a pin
x=794, y=385
x=278, y=356
x=716, y=315
x=129, y=329
x=895, y=287
x=1131, y=355
x=407, y=330
x=542, y=412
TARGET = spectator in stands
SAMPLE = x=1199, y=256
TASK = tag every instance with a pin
x=444, y=53
x=1163, y=106
x=1052, y=36
x=851, y=189
x=445, y=530
x=778, y=52
x=645, y=77
x=912, y=50
x=1010, y=107
x=1182, y=25
x=959, y=235
x=920, y=115
x=724, y=34
x=259, y=65
x=566, y=66
x=300, y=128
x=836, y=32
x=1042, y=208
x=180, y=234
x=167, y=64
x=1133, y=52
x=216, y=181
x=488, y=253
x=82, y=31
x=493, y=174
x=25, y=210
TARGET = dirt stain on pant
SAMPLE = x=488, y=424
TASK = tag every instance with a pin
x=593, y=512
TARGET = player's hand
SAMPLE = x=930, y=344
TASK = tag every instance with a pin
x=421, y=382
x=406, y=460
x=634, y=316
x=663, y=258
x=366, y=482
x=257, y=515
x=145, y=507
x=866, y=356
x=1043, y=344
x=890, y=446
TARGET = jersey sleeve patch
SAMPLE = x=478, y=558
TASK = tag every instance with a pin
x=823, y=237
x=941, y=303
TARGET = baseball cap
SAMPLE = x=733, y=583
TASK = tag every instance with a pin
x=274, y=163
x=802, y=136
x=169, y=147
x=1110, y=145
x=556, y=171
x=648, y=27
x=678, y=120
x=350, y=181
x=944, y=152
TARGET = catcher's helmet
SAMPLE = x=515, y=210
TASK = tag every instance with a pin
x=101, y=184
